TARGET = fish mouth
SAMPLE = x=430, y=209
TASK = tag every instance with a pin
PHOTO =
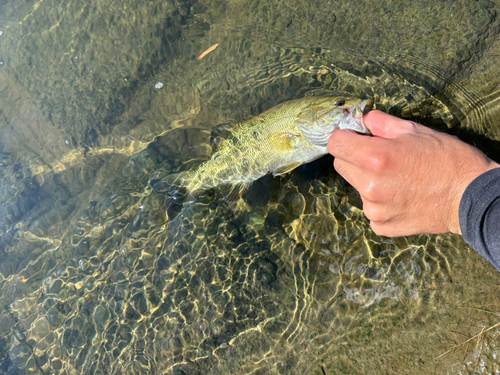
x=366, y=106
x=356, y=113
x=359, y=110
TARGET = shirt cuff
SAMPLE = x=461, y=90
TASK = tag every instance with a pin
x=479, y=215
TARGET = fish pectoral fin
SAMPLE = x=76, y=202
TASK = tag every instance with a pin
x=284, y=142
x=233, y=192
x=286, y=169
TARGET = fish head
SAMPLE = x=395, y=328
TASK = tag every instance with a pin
x=321, y=117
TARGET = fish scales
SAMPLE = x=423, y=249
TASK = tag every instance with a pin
x=276, y=141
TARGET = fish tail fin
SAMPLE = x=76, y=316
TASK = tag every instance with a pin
x=172, y=186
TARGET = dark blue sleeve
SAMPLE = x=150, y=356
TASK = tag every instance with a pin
x=480, y=216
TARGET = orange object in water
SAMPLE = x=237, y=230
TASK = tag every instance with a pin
x=208, y=51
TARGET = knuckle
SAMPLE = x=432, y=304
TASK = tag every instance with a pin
x=375, y=214
x=371, y=192
x=377, y=161
x=370, y=195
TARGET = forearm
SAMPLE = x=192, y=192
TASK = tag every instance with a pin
x=480, y=216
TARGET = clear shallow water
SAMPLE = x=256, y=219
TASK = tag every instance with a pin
x=289, y=279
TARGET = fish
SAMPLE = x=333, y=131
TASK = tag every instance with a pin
x=276, y=141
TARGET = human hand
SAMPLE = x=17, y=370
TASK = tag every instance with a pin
x=411, y=178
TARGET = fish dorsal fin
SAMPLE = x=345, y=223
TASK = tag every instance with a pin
x=218, y=134
x=286, y=169
x=233, y=192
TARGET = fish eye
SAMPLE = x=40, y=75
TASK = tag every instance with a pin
x=340, y=103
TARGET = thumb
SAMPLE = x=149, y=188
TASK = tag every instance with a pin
x=383, y=125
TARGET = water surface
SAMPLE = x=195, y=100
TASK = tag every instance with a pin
x=96, y=278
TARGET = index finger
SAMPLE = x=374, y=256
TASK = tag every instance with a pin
x=384, y=125
x=355, y=148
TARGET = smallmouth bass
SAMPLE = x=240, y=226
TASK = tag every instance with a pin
x=276, y=141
